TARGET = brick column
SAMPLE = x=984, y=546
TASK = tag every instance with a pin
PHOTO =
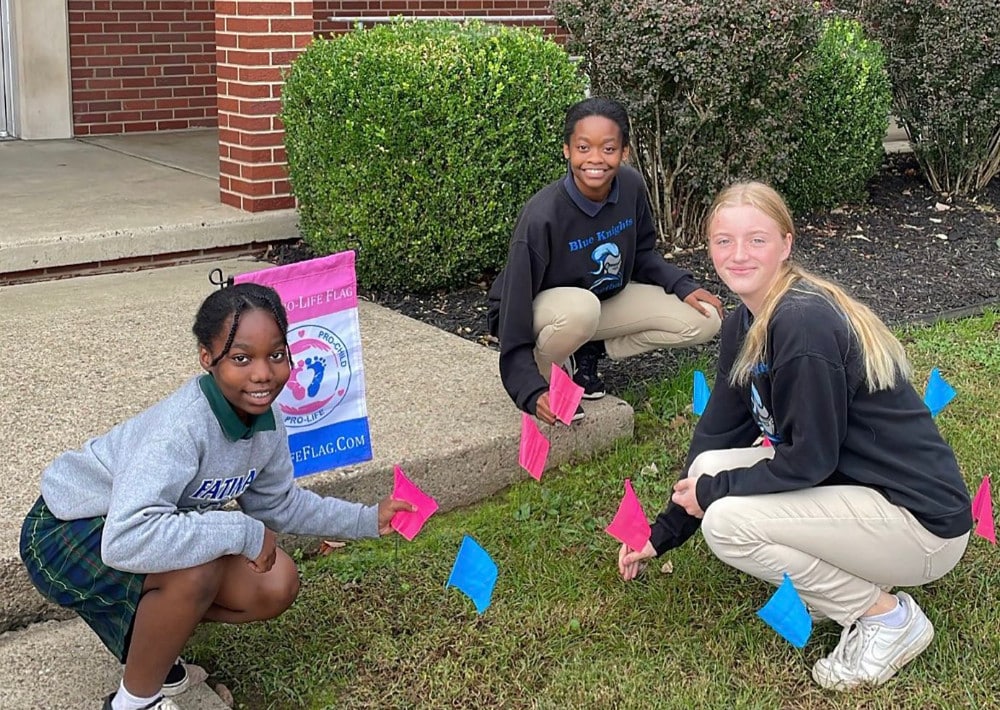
x=256, y=40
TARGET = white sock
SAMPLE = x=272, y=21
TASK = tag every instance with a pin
x=893, y=618
x=124, y=700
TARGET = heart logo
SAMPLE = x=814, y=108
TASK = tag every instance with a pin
x=340, y=392
x=302, y=334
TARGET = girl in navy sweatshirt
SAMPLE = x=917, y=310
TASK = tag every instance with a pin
x=583, y=275
x=857, y=493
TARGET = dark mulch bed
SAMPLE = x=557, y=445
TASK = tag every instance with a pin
x=905, y=253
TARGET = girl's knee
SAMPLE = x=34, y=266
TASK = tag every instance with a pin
x=724, y=527
x=703, y=329
x=198, y=584
x=279, y=588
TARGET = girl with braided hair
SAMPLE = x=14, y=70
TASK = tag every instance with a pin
x=130, y=530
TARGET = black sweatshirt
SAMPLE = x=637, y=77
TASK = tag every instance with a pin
x=563, y=239
x=810, y=399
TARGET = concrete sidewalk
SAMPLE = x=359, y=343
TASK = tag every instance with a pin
x=73, y=202
x=87, y=352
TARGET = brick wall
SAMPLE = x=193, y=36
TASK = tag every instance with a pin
x=142, y=65
x=324, y=9
x=150, y=65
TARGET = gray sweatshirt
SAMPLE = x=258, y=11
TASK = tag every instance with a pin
x=162, y=477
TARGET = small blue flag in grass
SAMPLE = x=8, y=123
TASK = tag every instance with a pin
x=701, y=393
x=938, y=393
x=786, y=613
x=475, y=573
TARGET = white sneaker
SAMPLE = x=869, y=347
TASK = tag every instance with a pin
x=870, y=652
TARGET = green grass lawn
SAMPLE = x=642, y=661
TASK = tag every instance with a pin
x=374, y=625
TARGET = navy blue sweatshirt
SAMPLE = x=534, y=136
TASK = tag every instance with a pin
x=563, y=239
x=810, y=399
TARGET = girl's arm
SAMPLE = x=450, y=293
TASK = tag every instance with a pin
x=145, y=533
x=276, y=501
x=523, y=277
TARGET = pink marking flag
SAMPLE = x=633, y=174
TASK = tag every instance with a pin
x=534, y=447
x=408, y=523
x=982, y=512
x=564, y=395
x=630, y=524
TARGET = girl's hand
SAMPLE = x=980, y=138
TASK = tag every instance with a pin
x=632, y=563
x=543, y=411
x=268, y=553
x=387, y=508
x=700, y=298
x=685, y=495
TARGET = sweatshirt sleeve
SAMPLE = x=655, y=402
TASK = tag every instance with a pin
x=282, y=506
x=145, y=533
x=810, y=397
x=523, y=276
x=650, y=266
x=726, y=423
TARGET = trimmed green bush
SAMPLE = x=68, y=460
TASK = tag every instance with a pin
x=417, y=143
x=944, y=65
x=838, y=137
x=713, y=88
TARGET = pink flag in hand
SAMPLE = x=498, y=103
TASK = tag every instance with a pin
x=982, y=495
x=408, y=523
x=564, y=395
x=630, y=525
x=534, y=447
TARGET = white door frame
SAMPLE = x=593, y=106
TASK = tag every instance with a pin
x=8, y=124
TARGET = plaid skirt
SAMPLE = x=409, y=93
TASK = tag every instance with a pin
x=63, y=558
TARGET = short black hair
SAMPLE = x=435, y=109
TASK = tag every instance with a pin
x=232, y=301
x=597, y=106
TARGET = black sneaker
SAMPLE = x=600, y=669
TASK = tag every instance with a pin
x=177, y=679
x=578, y=414
x=582, y=367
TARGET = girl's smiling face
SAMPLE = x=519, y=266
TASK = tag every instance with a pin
x=595, y=153
x=748, y=250
x=254, y=371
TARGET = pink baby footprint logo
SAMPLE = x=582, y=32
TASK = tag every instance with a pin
x=298, y=391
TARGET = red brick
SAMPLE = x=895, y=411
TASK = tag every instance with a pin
x=266, y=204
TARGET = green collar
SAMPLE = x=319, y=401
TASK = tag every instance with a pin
x=232, y=426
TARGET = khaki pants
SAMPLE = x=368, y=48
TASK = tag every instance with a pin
x=639, y=319
x=839, y=544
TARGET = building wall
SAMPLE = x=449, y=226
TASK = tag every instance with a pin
x=142, y=65
x=324, y=9
x=150, y=65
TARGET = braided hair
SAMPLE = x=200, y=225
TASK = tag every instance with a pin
x=233, y=301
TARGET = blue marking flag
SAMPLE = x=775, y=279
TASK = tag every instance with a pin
x=701, y=393
x=786, y=613
x=938, y=393
x=475, y=573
